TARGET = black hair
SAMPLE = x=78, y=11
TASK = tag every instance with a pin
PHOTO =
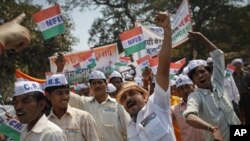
x=90, y=80
x=191, y=73
x=52, y=88
x=114, y=78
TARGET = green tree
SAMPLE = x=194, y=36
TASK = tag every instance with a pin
x=34, y=59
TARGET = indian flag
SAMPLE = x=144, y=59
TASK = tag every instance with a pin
x=12, y=129
x=174, y=69
x=181, y=62
x=123, y=61
x=229, y=71
x=154, y=64
x=143, y=62
x=132, y=40
x=77, y=67
x=50, y=21
x=91, y=61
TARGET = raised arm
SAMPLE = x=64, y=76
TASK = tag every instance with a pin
x=162, y=76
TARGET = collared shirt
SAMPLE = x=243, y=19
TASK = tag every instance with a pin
x=231, y=89
x=188, y=133
x=214, y=106
x=78, y=125
x=154, y=121
x=43, y=130
x=111, y=118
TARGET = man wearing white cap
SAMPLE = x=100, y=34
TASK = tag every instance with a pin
x=242, y=81
x=29, y=102
x=78, y=125
x=116, y=79
x=209, y=108
x=110, y=116
x=185, y=86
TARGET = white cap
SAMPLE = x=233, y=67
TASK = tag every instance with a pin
x=110, y=88
x=237, y=60
x=183, y=80
x=209, y=60
x=115, y=74
x=56, y=80
x=131, y=72
x=195, y=63
x=81, y=86
x=24, y=87
x=185, y=70
x=127, y=76
x=96, y=74
x=172, y=83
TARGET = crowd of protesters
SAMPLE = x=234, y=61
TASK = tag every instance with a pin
x=200, y=104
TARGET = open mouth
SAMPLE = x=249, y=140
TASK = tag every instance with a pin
x=202, y=81
x=131, y=104
x=20, y=113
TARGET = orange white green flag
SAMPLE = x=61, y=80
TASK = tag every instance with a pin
x=132, y=40
x=143, y=62
x=122, y=61
x=230, y=70
x=50, y=21
x=176, y=66
x=154, y=64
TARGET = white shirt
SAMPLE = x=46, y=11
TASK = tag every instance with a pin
x=231, y=89
x=43, y=130
x=154, y=120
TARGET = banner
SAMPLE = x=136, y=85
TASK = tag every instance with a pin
x=105, y=57
x=180, y=26
x=21, y=76
x=50, y=21
x=132, y=40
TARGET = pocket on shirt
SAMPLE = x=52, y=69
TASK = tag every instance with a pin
x=109, y=117
x=153, y=128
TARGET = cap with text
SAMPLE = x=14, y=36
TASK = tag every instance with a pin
x=56, y=80
x=25, y=87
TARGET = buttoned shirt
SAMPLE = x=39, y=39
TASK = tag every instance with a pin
x=43, y=130
x=154, y=121
x=77, y=125
x=187, y=132
x=231, y=89
x=214, y=106
x=111, y=118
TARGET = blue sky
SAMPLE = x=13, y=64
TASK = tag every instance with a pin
x=82, y=20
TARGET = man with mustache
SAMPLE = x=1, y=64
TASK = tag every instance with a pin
x=29, y=102
x=110, y=116
x=151, y=117
x=78, y=125
x=209, y=107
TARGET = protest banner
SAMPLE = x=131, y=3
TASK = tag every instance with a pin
x=105, y=57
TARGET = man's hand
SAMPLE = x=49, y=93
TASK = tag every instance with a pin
x=60, y=62
x=13, y=35
x=162, y=19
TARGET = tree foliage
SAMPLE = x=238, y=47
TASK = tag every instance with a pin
x=34, y=59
